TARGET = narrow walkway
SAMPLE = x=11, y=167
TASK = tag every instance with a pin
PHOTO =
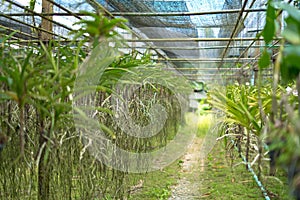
x=188, y=185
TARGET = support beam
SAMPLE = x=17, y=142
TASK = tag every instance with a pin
x=195, y=39
x=236, y=27
x=31, y=12
x=203, y=59
x=46, y=24
x=99, y=7
x=186, y=13
x=199, y=48
x=148, y=14
x=40, y=29
x=69, y=13
x=255, y=41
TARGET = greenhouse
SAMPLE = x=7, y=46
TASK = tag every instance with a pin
x=149, y=99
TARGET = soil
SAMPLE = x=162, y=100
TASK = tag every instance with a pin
x=188, y=185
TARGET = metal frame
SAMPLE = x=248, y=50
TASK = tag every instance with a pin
x=153, y=43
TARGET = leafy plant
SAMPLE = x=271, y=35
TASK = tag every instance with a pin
x=285, y=110
x=37, y=96
x=98, y=27
x=17, y=76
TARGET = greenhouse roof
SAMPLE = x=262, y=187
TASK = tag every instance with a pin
x=204, y=39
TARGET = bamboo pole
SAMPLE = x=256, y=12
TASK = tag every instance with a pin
x=217, y=75
x=203, y=59
x=138, y=14
x=69, y=13
x=213, y=68
x=197, y=48
x=220, y=75
x=37, y=14
x=200, y=61
x=98, y=6
x=199, y=68
x=237, y=26
x=19, y=32
x=254, y=41
x=32, y=26
x=195, y=39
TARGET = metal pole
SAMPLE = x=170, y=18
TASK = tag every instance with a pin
x=195, y=39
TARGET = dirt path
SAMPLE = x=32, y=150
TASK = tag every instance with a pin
x=188, y=185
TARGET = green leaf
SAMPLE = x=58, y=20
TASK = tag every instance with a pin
x=32, y=4
x=291, y=10
x=3, y=40
x=26, y=62
x=264, y=60
x=107, y=130
x=269, y=29
x=290, y=66
x=292, y=31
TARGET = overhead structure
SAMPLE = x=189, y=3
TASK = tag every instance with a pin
x=205, y=40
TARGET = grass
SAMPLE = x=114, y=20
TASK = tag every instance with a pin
x=221, y=181
x=202, y=124
x=157, y=184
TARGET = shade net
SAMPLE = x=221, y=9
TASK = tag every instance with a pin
x=213, y=59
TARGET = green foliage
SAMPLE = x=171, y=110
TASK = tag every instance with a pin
x=290, y=66
x=221, y=175
x=123, y=65
x=239, y=103
x=281, y=122
x=16, y=76
x=32, y=4
x=38, y=83
x=160, y=193
x=270, y=26
x=245, y=109
x=37, y=95
x=99, y=27
x=264, y=60
x=157, y=184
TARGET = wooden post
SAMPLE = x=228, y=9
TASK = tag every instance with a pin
x=133, y=44
x=47, y=7
x=255, y=69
